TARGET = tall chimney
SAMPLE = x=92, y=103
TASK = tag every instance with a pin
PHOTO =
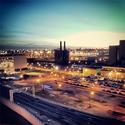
x=64, y=45
x=60, y=45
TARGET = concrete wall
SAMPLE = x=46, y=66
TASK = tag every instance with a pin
x=8, y=116
x=17, y=113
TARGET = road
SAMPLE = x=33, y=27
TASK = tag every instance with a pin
x=62, y=115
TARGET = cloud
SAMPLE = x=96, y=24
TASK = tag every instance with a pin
x=94, y=38
x=80, y=39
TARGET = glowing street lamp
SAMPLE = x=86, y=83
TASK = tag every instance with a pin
x=33, y=90
x=33, y=87
x=56, y=68
x=60, y=85
x=38, y=80
x=63, y=77
x=90, y=94
x=110, y=74
x=86, y=70
x=21, y=76
x=83, y=78
x=117, y=74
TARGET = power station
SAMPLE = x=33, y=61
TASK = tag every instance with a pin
x=62, y=55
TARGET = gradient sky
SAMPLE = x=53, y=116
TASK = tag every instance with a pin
x=83, y=23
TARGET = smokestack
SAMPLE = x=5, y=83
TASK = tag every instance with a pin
x=64, y=45
x=60, y=45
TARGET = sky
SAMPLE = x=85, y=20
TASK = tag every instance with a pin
x=81, y=23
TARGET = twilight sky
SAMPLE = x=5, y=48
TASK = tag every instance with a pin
x=82, y=23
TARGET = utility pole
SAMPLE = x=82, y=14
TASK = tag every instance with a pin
x=11, y=92
x=33, y=90
x=11, y=95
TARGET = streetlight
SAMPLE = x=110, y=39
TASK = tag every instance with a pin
x=56, y=68
x=33, y=90
x=21, y=76
x=38, y=80
x=60, y=85
x=83, y=78
x=63, y=77
x=33, y=87
x=110, y=74
x=85, y=71
x=117, y=74
x=90, y=94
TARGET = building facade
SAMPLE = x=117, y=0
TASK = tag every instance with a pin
x=113, y=55
x=10, y=63
x=117, y=54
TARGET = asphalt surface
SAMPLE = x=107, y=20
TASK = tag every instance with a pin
x=62, y=115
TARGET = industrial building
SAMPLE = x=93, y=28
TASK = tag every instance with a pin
x=113, y=55
x=116, y=73
x=10, y=63
x=117, y=54
x=62, y=55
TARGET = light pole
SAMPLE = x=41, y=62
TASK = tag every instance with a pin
x=90, y=94
x=11, y=92
x=33, y=87
x=59, y=86
x=117, y=74
x=33, y=90
x=110, y=75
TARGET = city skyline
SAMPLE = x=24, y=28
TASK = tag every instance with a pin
x=85, y=23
